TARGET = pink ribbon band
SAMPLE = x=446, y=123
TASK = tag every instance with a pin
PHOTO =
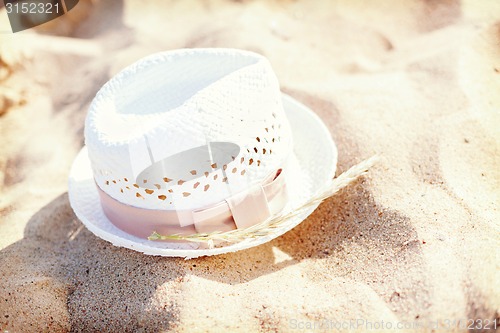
x=241, y=210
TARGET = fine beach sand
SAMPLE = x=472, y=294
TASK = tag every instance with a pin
x=416, y=240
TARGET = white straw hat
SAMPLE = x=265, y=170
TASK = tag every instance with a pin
x=196, y=141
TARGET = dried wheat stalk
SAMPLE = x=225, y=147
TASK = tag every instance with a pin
x=267, y=227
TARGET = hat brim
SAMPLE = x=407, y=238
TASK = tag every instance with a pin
x=313, y=163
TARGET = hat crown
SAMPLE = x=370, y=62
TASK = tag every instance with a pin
x=186, y=129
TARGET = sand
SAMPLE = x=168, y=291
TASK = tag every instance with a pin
x=416, y=241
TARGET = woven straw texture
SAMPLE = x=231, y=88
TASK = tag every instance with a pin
x=187, y=128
